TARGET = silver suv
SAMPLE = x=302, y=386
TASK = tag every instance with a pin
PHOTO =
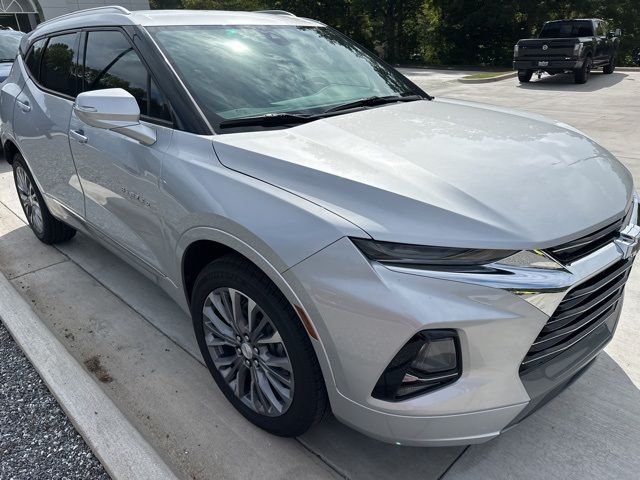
x=431, y=270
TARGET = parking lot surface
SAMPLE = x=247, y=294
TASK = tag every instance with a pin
x=99, y=306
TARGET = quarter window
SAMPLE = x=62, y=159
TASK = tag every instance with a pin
x=59, y=71
x=111, y=62
x=34, y=56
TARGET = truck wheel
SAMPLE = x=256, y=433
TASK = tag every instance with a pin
x=524, y=75
x=582, y=75
x=611, y=66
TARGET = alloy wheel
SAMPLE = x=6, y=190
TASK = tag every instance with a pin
x=29, y=200
x=248, y=351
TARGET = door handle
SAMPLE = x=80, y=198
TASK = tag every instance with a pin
x=78, y=135
x=24, y=106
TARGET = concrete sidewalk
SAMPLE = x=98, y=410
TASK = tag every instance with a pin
x=98, y=306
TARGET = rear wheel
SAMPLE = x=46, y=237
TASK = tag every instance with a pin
x=525, y=75
x=45, y=226
x=256, y=348
x=610, y=67
x=582, y=75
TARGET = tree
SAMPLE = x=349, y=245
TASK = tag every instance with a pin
x=454, y=32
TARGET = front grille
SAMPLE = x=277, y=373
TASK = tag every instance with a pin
x=583, y=246
x=583, y=310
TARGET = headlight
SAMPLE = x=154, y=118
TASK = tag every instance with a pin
x=403, y=254
x=515, y=50
x=577, y=49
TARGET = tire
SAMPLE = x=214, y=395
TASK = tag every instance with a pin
x=610, y=67
x=582, y=75
x=45, y=226
x=241, y=363
x=524, y=75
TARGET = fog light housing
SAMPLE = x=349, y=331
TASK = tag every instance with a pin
x=427, y=362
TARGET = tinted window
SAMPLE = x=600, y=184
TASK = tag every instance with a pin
x=111, y=62
x=58, y=71
x=567, y=29
x=34, y=56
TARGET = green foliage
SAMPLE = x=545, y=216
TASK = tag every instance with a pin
x=457, y=32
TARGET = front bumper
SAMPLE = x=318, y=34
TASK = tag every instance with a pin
x=365, y=312
x=553, y=64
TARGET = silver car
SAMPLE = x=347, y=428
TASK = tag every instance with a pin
x=431, y=270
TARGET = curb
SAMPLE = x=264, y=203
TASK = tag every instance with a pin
x=121, y=449
x=488, y=80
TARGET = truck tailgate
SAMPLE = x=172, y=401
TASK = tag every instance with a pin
x=557, y=48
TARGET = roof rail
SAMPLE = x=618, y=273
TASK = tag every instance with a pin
x=277, y=12
x=79, y=13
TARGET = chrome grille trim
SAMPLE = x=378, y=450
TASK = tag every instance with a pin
x=583, y=309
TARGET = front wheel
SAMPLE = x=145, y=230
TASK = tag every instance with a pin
x=525, y=75
x=582, y=75
x=256, y=348
x=610, y=67
x=45, y=226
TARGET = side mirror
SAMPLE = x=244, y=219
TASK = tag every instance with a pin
x=618, y=32
x=113, y=109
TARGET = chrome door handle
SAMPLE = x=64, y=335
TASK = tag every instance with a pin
x=24, y=106
x=78, y=135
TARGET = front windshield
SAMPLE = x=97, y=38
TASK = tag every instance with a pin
x=567, y=29
x=9, y=43
x=249, y=70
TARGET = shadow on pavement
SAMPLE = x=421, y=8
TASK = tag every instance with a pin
x=591, y=430
x=565, y=82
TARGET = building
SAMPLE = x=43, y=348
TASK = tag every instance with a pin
x=26, y=14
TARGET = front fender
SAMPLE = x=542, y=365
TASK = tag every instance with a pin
x=301, y=303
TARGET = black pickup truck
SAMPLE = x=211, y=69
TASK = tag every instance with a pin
x=576, y=46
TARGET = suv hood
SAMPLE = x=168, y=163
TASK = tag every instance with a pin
x=442, y=172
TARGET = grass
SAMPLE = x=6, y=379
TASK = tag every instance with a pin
x=477, y=76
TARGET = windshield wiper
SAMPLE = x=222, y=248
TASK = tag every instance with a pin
x=269, y=120
x=281, y=119
x=373, y=101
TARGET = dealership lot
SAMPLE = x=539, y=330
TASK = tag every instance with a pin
x=98, y=306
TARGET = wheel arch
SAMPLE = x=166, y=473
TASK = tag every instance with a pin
x=201, y=245
x=197, y=256
x=10, y=149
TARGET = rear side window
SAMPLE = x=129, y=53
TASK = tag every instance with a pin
x=58, y=71
x=33, y=58
x=111, y=62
